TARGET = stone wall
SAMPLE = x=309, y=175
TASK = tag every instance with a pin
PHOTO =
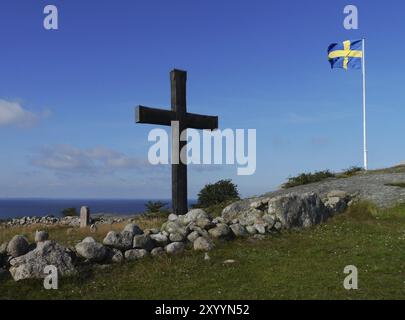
x=195, y=230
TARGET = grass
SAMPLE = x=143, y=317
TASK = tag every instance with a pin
x=306, y=264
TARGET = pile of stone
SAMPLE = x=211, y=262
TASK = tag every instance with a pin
x=196, y=230
x=51, y=220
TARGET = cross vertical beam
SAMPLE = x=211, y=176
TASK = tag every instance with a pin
x=178, y=81
x=183, y=120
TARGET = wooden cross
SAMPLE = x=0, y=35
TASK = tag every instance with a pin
x=186, y=120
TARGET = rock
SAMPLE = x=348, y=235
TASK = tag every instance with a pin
x=115, y=256
x=93, y=228
x=261, y=228
x=176, y=237
x=234, y=210
x=269, y=220
x=133, y=228
x=203, y=244
x=251, y=230
x=160, y=239
x=338, y=194
x=157, y=251
x=173, y=217
x=206, y=257
x=89, y=240
x=192, y=216
x=336, y=204
x=121, y=241
x=193, y=236
x=204, y=223
x=136, y=254
x=337, y=201
x=260, y=204
x=91, y=250
x=297, y=211
x=278, y=226
x=47, y=253
x=41, y=236
x=229, y=261
x=175, y=247
x=221, y=231
x=17, y=246
x=84, y=217
x=143, y=242
x=174, y=227
x=238, y=230
x=3, y=248
x=219, y=220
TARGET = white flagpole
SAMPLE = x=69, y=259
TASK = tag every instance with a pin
x=364, y=107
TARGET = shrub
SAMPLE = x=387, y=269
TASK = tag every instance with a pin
x=70, y=212
x=307, y=178
x=352, y=171
x=155, y=206
x=396, y=184
x=217, y=193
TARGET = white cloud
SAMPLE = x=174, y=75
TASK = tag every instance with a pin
x=12, y=113
x=98, y=160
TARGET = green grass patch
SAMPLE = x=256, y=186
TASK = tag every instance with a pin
x=305, y=264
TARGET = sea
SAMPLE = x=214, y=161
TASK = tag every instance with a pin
x=17, y=208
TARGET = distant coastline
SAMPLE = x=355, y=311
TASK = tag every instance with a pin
x=40, y=207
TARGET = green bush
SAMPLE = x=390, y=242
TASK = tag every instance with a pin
x=307, y=178
x=352, y=171
x=70, y=212
x=396, y=184
x=217, y=193
x=155, y=206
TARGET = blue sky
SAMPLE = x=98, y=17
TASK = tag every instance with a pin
x=256, y=64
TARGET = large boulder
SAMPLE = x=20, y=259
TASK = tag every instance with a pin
x=298, y=211
x=91, y=250
x=121, y=241
x=32, y=264
x=17, y=246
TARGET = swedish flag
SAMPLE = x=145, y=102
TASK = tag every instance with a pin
x=346, y=55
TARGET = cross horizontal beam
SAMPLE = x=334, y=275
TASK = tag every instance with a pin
x=165, y=117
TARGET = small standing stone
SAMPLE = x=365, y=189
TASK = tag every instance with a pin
x=41, y=236
x=84, y=217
